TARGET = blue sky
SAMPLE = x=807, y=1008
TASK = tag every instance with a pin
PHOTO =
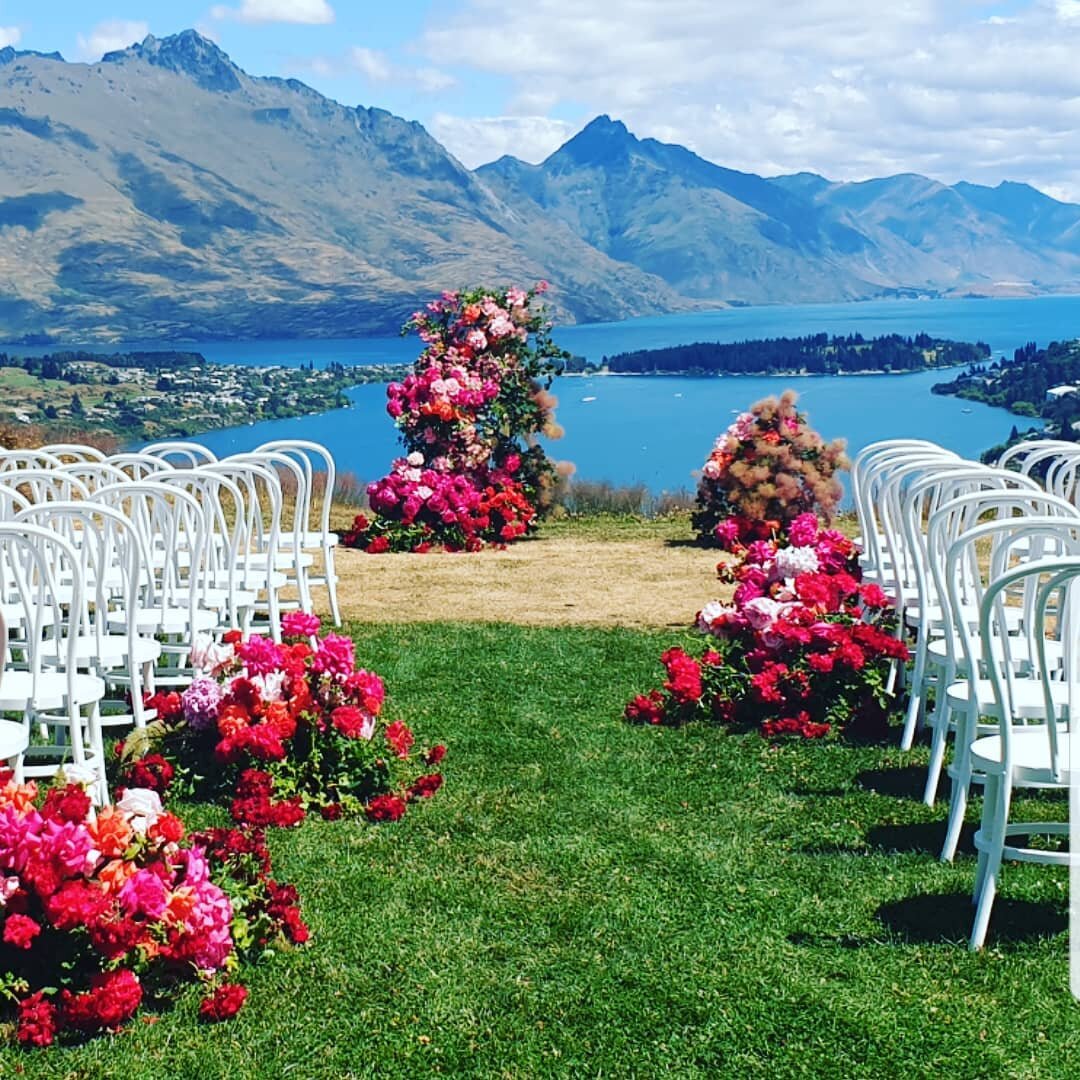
x=954, y=89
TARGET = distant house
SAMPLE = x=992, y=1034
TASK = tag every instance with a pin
x=1056, y=393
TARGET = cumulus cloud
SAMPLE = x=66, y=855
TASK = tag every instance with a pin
x=310, y=12
x=109, y=36
x=9, y=35
x=476, y=140
x=842, y=87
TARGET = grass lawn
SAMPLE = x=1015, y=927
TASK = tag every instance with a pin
x=585, y=898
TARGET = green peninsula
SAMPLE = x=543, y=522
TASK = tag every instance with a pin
x=148, y=395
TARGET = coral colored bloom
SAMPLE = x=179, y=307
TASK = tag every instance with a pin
x=400, y=738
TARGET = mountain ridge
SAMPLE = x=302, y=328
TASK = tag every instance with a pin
x=163, y=192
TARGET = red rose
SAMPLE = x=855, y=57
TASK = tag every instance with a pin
x=20, y=931
x=37, y=1021
x=225, y=1002
x=112, y=998
x=70, y=803
x=385, y=808
x=331, y=811
x=232, y=637
x=435, y=754
x=426, y=786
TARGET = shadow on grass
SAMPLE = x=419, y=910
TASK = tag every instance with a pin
x=945, y=919
x=684, y=542
x=907, y=782
x=920, y=837
x=925, y=836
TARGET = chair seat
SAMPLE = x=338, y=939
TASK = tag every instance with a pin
x=14, y=739
x=938, y=651
x=1028, y=700
x=1030, y=756
x=316, y=540
x=165, y=620
x=283, y=560
x=110, y=650
x=17, y=690
x=934, y=616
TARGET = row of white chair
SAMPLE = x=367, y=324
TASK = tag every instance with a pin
x=967, y=550
x=110, y=567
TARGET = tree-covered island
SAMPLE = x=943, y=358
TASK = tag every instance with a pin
x=815, y=354
x=149, y=395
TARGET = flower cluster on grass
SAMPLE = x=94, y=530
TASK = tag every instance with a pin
x=102, y=911
x=769, y=467
x=278, y=730
x=469, y=416
x=804, y=648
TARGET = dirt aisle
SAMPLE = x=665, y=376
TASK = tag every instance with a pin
x=547, y=581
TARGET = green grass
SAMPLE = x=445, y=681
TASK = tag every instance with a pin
x=586, y=898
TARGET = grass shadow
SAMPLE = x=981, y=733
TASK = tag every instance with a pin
x=947, y=917
x=907, y=782
x=925, y=837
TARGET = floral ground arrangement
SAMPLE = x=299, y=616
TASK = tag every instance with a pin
x=587, y=896
x=275, y=731
x=769, y=467
x=804, y=648
x=473, y=472
x=105, y=910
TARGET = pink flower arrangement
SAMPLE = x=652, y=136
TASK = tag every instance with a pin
x=803, y=649
x=96, y=905
x=473, y=473
x=769, y=467
x=281, y=729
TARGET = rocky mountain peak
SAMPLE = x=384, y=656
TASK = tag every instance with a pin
x=8, y=55
x=187, y=53
x=601, y=142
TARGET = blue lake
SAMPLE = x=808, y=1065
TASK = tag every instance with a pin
x=657, y=431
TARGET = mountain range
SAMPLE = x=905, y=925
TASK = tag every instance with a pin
x=164, y=193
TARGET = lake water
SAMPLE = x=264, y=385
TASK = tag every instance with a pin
x=657, y=431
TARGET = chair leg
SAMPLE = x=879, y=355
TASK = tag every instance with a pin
x=961, y=785
x=940, y=727
x=916, y=695
x=331, y=584
x=992, y=832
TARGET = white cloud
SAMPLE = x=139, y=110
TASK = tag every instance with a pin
x=373, y=65
x=476, y=140
x=108, y=36
x=378, y=68
x=310, y=12
x=9, y=35
x=846, y=88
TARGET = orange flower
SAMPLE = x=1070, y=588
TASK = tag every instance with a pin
x=111, y=832
x=21, y=796
x=232, y=719
x=180, y=905
x=113, y=874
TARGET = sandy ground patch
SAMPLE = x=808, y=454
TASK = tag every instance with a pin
x=548, y=581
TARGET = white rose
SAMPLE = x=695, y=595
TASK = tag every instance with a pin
x=416, y=459
x=142, y=806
